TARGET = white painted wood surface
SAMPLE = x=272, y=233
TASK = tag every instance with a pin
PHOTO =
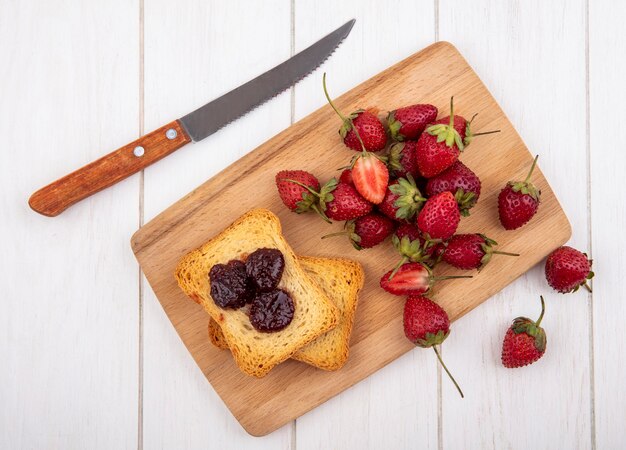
x=89, y=359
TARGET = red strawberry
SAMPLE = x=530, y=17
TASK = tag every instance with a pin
x=524, y=342
x=402, y=160
x=411, y=278
x=343, y=202
x=366, y=231
x=295, y=197
x=460, y=181
x=470, y=251
x=567, y=269
x=402, y=199
x=463, y=127
x=409, y=122
x=439, y=217
x=346, y=177
x=366, y=124
x=427, y=324
x=438, y=148
x=518, y=202
x=370, y=177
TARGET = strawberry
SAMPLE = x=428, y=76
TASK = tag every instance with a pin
x=402, y=160
x=346, y=177
x=344, y=203
x=524, y=342
x=370, y=177
x=365, y=123
x=366, y=231
x=470, y=251
x=463, y=127
x=440, y=216
x=402, y=200
x=412, y=278
x=409, y=122
x=337, y=201
x=461, y=182
x=567, y=269
x=297, y=198
x=518, y=201
x=438, y=147
x=427, y=324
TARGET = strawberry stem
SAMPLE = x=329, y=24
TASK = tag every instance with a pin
x=329, y=100
x=448, y=372
x=400, y=264
x=308, y=188
x=531, y=169
x=543, y=310
x=496, y=252
x=587, y=286
x=485, y=132
x=339, y=233
x=321, y=213
x=449, y=277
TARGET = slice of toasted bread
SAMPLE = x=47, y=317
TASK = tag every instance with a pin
x=254, y=352
x=341, y=280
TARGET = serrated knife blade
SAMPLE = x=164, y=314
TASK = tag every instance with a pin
x=56, y=197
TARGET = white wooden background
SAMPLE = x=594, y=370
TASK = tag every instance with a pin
x=88, y=358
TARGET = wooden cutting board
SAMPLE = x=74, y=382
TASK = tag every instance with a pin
x=293, y=388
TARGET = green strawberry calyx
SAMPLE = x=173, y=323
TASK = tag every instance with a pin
x=532, y=329
x=526, y=187
x=318, y=204
x=446, y=132
x=410, y=199
x=487, y=248
x=465, y=200
x=394, y=156
x=431, y=339
x=394, y=127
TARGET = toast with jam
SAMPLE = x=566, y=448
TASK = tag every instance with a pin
x=249, y=281
x=341, y=280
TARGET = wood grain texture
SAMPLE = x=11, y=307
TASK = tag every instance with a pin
x=104, y=172
x=292, y=388
x=68, y=331
x=527, y=62
x=211, y=47
x=607, y=36
x=401, y=398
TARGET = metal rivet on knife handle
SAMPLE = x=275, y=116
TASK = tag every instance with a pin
x=138, y=151
x=171, y=134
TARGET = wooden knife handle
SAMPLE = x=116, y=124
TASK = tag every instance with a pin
x=108, y=170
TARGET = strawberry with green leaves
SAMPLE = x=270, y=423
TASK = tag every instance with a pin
x=518, y=201
x=297, y=197
x=409, y=122
x=412, y=247
x=463, y=127
x=365, y=123
x=402, y=200
x=524, y=342
x=438, y=147
x=426, y=324
x=459, y=180
x=471, y=251
x=366, y=231
x=567, y=269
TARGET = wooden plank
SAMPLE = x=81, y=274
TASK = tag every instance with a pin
x=194, y=53
x=292, y=389
x=396, y=407
x=68, y=84
x=608, y=213
x=532, y=58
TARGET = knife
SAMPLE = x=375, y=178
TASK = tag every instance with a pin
x=55, y=198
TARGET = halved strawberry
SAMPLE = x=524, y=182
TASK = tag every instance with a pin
x=412, y=278
x=370, y=177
